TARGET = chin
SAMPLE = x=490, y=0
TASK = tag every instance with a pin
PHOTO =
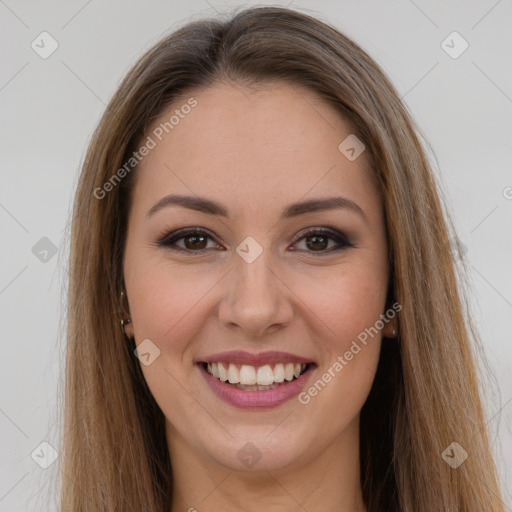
x=259, y=449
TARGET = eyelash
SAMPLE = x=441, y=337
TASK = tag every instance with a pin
x=169, y=239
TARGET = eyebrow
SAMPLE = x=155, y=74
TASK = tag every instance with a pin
x=211, y=207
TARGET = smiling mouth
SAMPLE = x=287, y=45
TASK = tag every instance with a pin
x=252, y=378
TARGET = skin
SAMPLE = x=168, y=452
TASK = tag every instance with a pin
x=257, y=150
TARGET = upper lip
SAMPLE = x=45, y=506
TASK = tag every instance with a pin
x=241, y=357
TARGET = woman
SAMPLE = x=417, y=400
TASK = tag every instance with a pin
x=316, y=354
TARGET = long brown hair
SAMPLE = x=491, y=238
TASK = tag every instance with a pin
x=426, y=391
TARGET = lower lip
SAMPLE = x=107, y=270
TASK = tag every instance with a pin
x=256, y=399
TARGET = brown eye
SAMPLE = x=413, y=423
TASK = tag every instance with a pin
x=317, y=241
x=194, y=240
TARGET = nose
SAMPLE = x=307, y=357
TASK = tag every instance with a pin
x=256, y=299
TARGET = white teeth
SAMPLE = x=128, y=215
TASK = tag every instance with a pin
x=233, y=374
x=288, y=371
x=249, y=375
x=279, y=372
x=265, y=375
x=223, y=374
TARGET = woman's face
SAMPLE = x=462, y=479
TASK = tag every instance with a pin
x=247, y=287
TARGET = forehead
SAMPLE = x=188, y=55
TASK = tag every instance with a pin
x=274, y=143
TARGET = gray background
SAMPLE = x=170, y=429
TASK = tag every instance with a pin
x=50, y=107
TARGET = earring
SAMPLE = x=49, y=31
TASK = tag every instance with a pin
x=394, y=333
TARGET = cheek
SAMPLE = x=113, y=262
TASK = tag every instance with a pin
x=347, y=329
x=168, y=308
x=345, y=303
x=166, y=301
